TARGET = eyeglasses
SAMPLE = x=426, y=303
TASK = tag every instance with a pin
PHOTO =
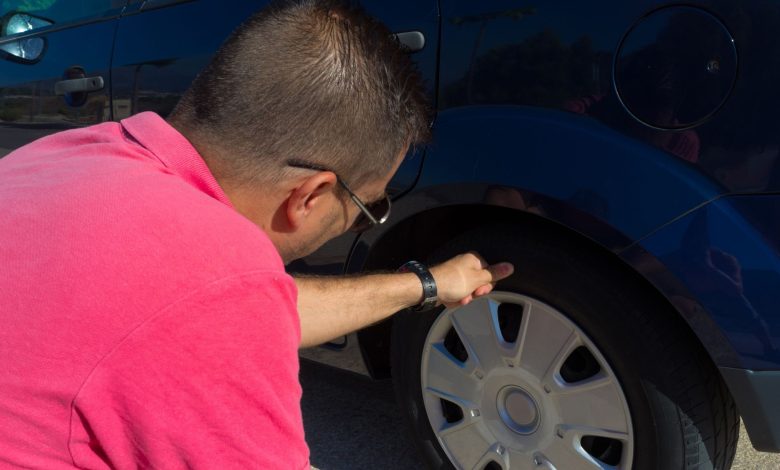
x=372, y=214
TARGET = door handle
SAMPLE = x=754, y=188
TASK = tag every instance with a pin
x=78, y=85
x=412, y=41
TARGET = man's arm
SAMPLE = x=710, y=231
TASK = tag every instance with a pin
x=330, y=307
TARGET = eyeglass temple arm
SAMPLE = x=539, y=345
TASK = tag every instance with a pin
x=358, y=203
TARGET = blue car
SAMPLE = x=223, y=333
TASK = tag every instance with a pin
x=623, y=155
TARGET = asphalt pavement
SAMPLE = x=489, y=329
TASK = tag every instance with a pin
x=353, y=422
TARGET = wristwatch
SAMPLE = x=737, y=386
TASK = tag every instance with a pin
x=430, y=294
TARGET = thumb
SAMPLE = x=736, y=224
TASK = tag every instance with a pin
x=499, y=271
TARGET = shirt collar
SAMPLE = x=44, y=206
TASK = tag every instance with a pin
x=174, y=151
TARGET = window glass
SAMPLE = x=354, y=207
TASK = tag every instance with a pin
x=57, y=11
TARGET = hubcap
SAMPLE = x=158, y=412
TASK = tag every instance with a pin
x=518, y=410
x=510, y=382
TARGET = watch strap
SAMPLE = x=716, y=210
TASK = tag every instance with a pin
x=430, y=293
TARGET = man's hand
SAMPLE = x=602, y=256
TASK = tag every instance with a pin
x=465, y=277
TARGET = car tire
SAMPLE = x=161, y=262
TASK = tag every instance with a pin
x=679, y=413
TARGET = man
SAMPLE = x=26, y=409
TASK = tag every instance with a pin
x=147, y=318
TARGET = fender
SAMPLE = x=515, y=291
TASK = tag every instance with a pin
x=563, y=167
x=634, y=187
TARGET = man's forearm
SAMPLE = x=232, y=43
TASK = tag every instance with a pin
x=330, y=307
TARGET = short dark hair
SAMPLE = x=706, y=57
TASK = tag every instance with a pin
x=312, y=80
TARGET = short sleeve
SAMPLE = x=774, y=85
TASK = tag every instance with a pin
x=209, y=382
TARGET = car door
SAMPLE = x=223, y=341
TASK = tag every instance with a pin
x=54, y=66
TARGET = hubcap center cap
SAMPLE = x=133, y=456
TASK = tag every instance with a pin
x=518, y=410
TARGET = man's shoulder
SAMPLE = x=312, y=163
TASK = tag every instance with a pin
x=67, y=140
x=76, y=154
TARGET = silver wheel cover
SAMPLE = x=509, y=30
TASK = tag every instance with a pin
x=518, y=412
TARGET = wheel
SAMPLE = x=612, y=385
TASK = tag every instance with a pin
x=572, y=363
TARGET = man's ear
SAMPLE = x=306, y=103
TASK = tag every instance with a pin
x=309, y=195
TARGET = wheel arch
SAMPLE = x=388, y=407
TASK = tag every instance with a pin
x=420, y=234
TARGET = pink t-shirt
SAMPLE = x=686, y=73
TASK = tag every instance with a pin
x=143, y=321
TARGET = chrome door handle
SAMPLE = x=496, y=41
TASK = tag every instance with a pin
x=78, y=85
x=412, y=41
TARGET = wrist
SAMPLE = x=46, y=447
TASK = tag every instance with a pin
x=409, y=284
x=429, y=297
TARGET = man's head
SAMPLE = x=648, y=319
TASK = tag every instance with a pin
x=308, y=81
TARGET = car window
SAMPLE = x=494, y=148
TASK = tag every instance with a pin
x=45, y=12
